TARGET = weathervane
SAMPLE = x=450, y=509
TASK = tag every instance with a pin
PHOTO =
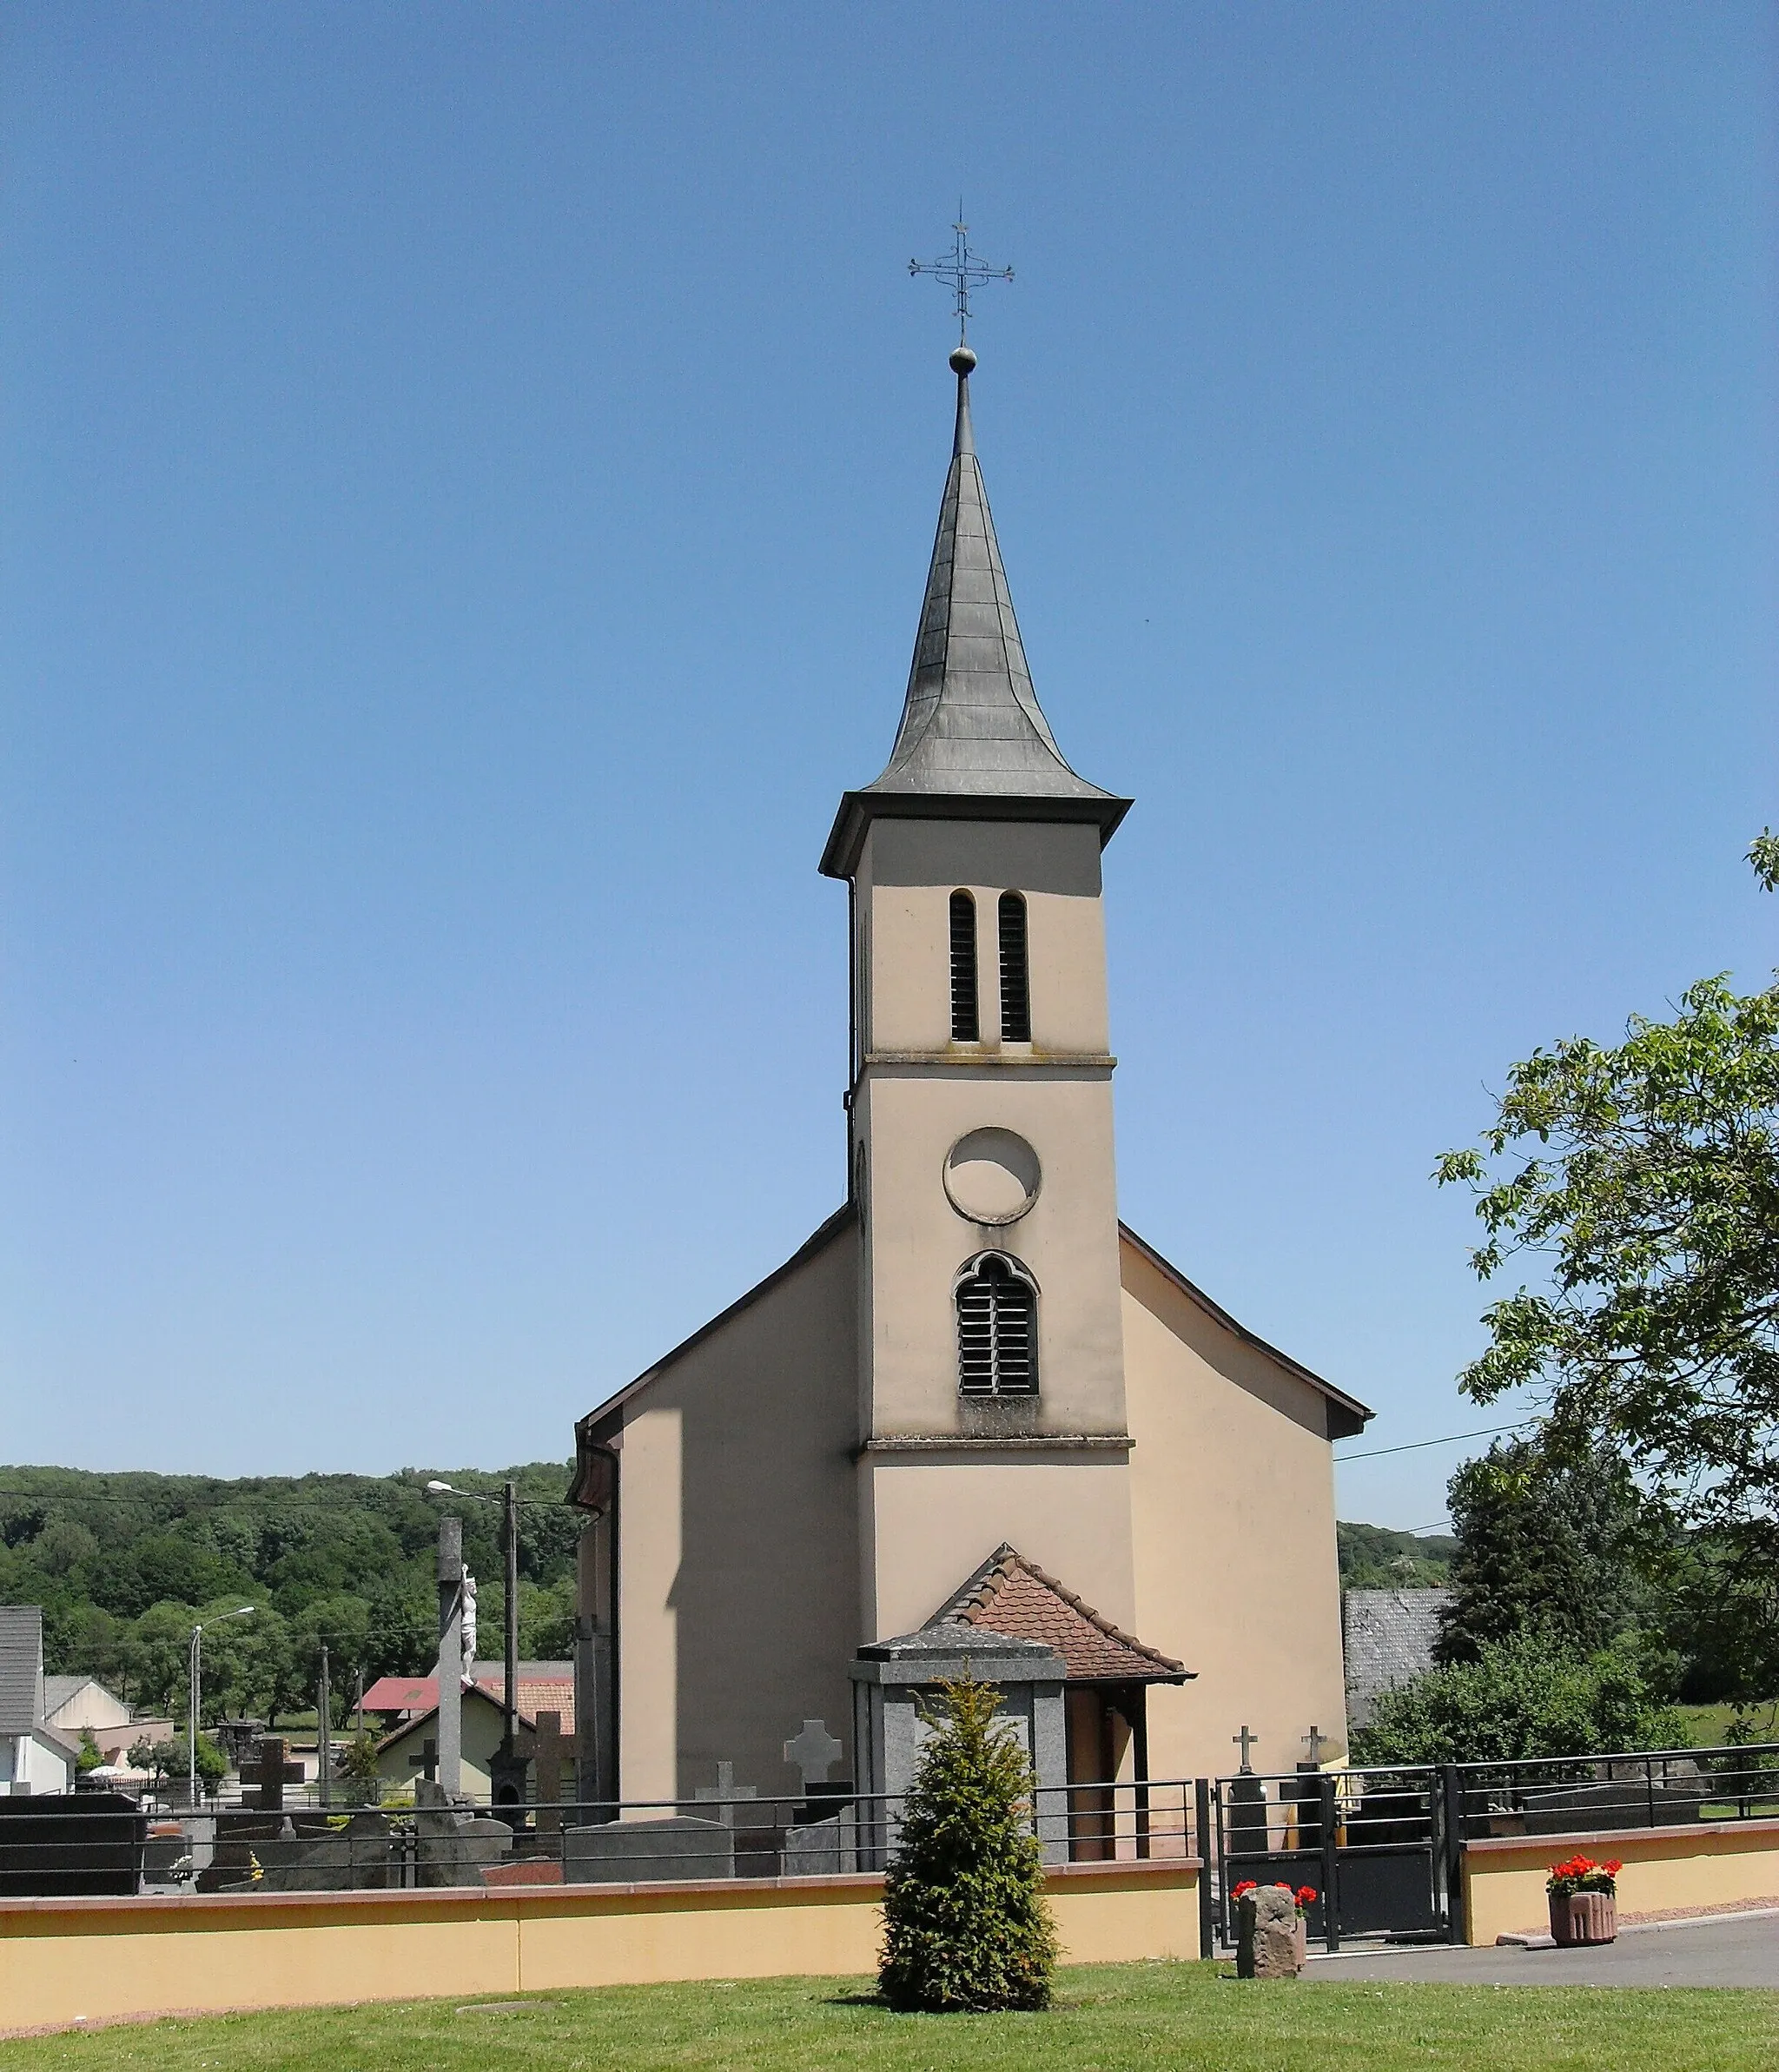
x=964, y=270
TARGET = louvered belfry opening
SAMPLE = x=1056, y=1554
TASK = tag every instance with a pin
x=997, y=1331
x=966, y=1021
x=1015, y=980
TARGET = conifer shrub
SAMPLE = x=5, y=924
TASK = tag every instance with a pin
x=966, y=1924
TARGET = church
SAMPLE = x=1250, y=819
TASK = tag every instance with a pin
x=974, y=1402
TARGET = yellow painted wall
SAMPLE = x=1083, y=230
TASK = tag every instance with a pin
x=1232, y=1483
x=1713, y=1864
x=740, y=1539
x=63, y=1959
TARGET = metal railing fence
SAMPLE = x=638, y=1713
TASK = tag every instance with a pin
x=109, y=1844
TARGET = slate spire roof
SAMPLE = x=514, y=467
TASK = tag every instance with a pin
x=973, y=738
x=1008, y=1594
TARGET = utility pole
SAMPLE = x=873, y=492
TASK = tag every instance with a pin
x=324, y=1724
x=509, y=1538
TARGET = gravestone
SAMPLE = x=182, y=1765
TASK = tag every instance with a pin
x=63, y=1847
x=813, y=1753
x=822, y=1848
x=724, y=1791
x=452, y=1847
x=271, y=1773
x=894, y=1684
x=1245, y=1798
x=552, y=1752
x=621, y=1852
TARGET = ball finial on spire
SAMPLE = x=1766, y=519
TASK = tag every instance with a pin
x=962, y=360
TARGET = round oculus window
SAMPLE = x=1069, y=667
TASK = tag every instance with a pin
x=992, y=1176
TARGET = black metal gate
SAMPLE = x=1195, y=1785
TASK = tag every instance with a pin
x=1380, y=1848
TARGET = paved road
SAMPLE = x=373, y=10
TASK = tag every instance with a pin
x=1712, y=1953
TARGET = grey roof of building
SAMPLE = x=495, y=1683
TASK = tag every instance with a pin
x=973, y=738
x=58, y=1690
x=1388, y=1637
x=21, y=1668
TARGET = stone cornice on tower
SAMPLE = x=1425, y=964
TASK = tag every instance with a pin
x=974, y=742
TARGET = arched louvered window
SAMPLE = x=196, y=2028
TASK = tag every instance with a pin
x=1015, y=976
x=997, y=1329
x=966, y=1023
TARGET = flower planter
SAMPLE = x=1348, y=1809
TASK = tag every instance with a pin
x=1584, y=1917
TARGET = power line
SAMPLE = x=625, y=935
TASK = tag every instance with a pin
x=1451, y=1439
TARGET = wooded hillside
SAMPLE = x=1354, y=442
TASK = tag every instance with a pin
x=123, y=1564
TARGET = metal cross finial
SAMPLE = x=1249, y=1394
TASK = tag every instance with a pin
x=964, y=270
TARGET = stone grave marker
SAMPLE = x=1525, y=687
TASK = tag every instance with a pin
x=271, y=1773
x=725, y=1789
x=552, y=1752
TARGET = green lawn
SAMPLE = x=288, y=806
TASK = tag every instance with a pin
x=1708, y=1725
x=1131, y=2016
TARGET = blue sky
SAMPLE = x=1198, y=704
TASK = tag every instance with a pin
x=468, y=480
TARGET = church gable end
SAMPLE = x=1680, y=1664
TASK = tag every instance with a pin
x=1236, y=1353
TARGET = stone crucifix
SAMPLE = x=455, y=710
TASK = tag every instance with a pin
x=813, y=1753
x=1247, y=1738
x=1315, y=1741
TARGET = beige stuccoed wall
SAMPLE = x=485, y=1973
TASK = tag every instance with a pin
x=926, y=1523
x=936, y=1520
x=1663, y=1870
x=1233, y=1522
x=908, y=872
x=99, y=1960
x=915, y=1242
x=738, y=1541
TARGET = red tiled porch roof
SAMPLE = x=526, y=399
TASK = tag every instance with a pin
x=1008, y=1594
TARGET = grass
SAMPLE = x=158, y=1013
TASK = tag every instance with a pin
x=1109, y=2019
x=1709, y=1724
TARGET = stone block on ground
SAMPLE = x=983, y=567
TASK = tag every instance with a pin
x=1268, y=1944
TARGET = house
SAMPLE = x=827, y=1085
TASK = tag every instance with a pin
x=75, y=1705
x=543, y=1687
x=35, y=1757
x=973, y=1383
x=412, y=1749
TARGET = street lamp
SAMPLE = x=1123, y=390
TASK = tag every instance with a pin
x=191, y=1733
x=509, y=1546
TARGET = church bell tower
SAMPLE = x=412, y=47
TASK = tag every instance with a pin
x=991, y=1361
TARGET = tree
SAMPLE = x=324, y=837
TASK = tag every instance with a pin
x=155, y=1655
x=169, y=1759
x=1543, y=1545
x=1524, y=1698
x=1376, y=1558
x=965, y=1922
x=358, y=1766
x=1645, y=1179
x=91, y=1755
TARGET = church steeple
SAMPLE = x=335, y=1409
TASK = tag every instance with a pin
x=974, y=741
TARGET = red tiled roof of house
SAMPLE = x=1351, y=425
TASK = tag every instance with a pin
x=402, y=1694
x=546, y=1693
x=1008, y=1594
